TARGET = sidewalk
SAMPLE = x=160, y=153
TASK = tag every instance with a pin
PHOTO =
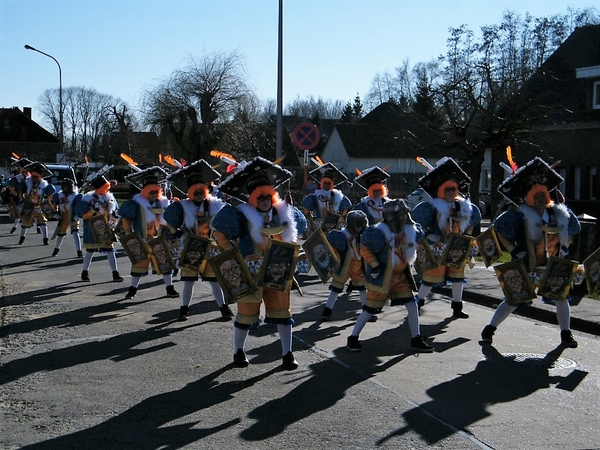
x=483, y=288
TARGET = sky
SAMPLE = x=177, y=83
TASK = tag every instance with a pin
x=331, y=48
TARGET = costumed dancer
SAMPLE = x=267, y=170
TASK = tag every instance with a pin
x=14, y=199
x=389, y=249
x=35, y=191
x=95, y=204
x=143, y=214
x=327, y=199
x=193, y=215
x=250, y=225
x=373, y=181
x=64, y=202
x=346, y=243
x=536, y=230
x=448, y=211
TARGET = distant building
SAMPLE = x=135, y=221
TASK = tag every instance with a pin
x=21, y=135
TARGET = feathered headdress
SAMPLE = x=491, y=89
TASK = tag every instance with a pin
x=130, y=162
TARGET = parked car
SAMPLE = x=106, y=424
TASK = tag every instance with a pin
x=59, y=173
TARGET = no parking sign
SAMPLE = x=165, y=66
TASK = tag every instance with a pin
x=306, y=136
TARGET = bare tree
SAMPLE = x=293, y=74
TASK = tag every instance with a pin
x=192, y=101
x=311, y=107
x=477, y=83
x=85, y=118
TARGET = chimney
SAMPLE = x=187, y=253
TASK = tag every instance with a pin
x=27, y=112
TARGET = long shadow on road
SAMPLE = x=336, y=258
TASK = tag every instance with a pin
x=465, y=400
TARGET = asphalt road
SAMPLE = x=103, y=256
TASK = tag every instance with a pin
x=81, y=367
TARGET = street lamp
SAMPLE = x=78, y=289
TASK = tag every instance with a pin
x=60, y=99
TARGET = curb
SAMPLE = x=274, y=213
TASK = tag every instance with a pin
x=531, y=312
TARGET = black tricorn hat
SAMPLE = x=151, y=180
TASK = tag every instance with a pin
x=97, y=179
x=328, y=170
x=40, y=168
x=247, y=176
x=98, y=182
x=22, y=162
x=371, y=176
x=536, y=171
x=145, y=177
x=198, y=172
x=446, y=169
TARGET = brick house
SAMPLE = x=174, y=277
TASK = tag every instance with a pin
x=21, y=135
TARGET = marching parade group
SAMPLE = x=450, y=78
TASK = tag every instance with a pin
x=239, y=234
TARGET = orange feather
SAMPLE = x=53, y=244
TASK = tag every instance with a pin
x=170, y=160
x=511, y=161
x=218, y=154
x=129, y=159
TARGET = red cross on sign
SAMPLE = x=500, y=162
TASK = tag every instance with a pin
x=306, y=136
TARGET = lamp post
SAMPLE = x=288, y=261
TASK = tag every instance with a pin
x=279, y=123
x=60, y=99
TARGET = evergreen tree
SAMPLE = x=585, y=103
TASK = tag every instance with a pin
x=357, y=108
x=347, y=114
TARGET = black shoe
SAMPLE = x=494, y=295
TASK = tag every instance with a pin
x=240, y=360
x=21, y=240
x=457, y=312
x=13, y=229
x=183, y=313
x=131, y=292
x=38, y=230
x=45, y=241
x=353, y=344
x=566, y=339
x=373, y=318
x=326, y=314
x=117, y=277
x=171, y=292
x=55, y=251
x=226, y=312
x=79, y=254
x=85, y=275
x=289, y=362
x=487, y=335
x=419, y=345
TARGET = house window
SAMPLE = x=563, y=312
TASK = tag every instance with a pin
x=486, y=180
x=563, y=186
x=596, y=100
x=577, y=181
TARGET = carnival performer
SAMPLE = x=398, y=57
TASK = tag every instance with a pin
x=35, y=191
x=64, y=202
x=373, y=181
x=318, y=206
x=143, y=214
x=14, y=198
x=97, y=208
x=249, y=226
x=448, y=211
x=193, y=215
x=389, y=249
x=536, y=230
x=346, y=244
